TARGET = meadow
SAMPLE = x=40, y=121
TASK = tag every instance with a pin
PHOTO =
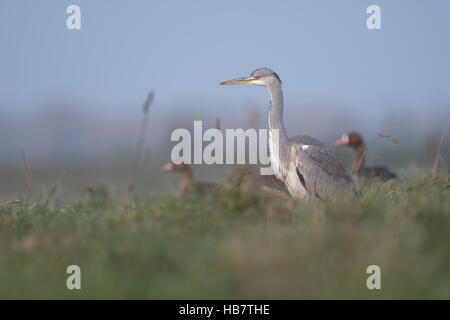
x=231, y=244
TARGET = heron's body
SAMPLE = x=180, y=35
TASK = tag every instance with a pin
x=307, y=166
x=304, y=164
x=285, y=169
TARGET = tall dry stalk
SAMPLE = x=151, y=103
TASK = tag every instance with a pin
x=26, y=170
x=141, y=140
x=438, y=152
x=218, y=123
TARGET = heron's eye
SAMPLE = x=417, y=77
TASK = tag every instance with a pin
x=256, y=77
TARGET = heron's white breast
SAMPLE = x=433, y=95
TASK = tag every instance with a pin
x=274, y=150
x=286, y=172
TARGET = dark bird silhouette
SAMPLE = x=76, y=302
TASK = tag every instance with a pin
x=356, y=141
x=187, y=183
x=246, y=179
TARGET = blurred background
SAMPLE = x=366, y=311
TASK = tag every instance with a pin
x=72, y=99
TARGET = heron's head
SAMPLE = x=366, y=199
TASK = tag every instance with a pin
x=260, y=77
x=351, y=139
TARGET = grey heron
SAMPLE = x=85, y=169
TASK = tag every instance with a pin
x=304, y=164
x=356, y=141
x=187, y=178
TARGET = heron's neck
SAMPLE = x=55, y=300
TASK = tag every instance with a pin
x=276, y=111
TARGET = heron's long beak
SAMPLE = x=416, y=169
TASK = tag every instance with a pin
x=242, y=80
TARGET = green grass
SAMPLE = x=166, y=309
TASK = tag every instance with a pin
x=231, y=245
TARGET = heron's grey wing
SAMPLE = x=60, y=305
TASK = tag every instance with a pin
x=318, y=168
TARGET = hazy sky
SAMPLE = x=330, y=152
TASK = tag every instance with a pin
x=183, y=49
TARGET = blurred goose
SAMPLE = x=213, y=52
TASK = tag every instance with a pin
x=247, y=179
x=355, y=141
x=305, y=165
x=187, y=183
